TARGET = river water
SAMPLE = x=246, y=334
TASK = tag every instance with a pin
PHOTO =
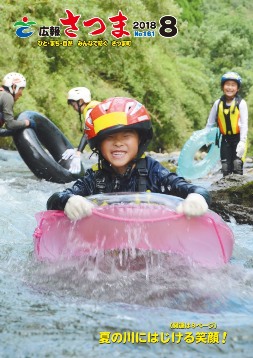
x=62, y=310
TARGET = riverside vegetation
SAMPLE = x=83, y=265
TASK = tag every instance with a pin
x=177, y=79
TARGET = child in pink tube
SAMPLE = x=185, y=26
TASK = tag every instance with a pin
x=119, y=130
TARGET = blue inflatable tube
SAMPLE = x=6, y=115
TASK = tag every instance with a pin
x=190, y=168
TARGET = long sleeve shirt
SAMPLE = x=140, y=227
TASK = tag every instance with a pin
x=6, y=110
x=159, y=180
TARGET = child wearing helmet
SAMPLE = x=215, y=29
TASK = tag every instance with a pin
x=119, y=130
x=80, y=99
x=11, y=90
x=230, y=114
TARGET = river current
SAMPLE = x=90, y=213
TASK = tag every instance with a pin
x=69, y=309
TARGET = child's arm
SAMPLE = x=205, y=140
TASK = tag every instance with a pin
x=211, y=122
x=243, y=120
x=82, y=187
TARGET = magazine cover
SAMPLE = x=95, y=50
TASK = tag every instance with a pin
x=126, y=178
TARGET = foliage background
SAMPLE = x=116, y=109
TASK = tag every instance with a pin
x=177, y=79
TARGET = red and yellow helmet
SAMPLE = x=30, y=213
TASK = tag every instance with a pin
x=117, y=114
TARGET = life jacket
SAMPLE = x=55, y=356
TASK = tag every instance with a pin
x=89, y=106
x=228, y=116
x=103, y=178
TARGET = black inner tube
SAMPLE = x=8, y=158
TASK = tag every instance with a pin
x=42, y=148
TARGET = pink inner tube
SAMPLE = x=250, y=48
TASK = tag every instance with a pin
x=206, y=240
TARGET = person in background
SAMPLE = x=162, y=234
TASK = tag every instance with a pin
x=80, y=99
x=230, y=114
x=119, y=130
x=12, y=88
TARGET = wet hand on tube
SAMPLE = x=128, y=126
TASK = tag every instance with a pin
x=77, y=207
x=193, y=205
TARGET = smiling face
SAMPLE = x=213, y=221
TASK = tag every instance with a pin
x=230, y=88
x=119, y=149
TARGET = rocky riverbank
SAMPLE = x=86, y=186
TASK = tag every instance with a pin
x=233, y=197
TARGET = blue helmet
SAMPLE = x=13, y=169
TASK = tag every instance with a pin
x=233, y=76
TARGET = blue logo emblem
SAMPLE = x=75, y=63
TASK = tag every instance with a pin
x=23, y=26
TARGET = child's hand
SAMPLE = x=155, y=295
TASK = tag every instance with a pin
x=75, y=166
x=78, y=207
x=193, y=205
x=240, y=149
x=68, y=154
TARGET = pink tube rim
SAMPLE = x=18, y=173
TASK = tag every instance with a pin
x=171, y=215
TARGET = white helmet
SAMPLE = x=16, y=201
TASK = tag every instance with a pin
x=79, y=93
x=14, y=78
